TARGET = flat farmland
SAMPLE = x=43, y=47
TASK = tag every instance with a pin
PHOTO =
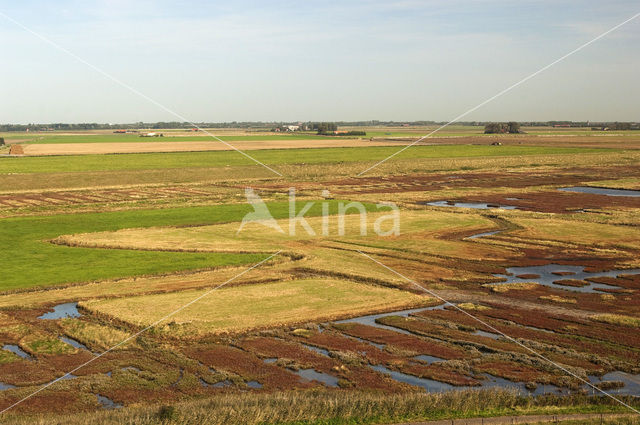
x=97, y=247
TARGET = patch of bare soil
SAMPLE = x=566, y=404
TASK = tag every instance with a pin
x=16, y=150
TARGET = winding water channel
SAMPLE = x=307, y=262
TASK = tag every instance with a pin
x=550, y=273
x=631, y=382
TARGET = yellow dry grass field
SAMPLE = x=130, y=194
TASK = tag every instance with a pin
x=97, y=336
x=427, y=232
x=255, y=306
x=576, y=232
x=424, y=229
x=626, y=183
x=618, y=319
x=213, y=145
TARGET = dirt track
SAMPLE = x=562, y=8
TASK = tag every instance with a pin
x=508, y=420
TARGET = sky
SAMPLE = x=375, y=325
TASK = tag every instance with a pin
x=308, y=60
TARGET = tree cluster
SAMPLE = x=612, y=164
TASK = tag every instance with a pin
x=511, y=127
x=619, y=126
x=325, y=127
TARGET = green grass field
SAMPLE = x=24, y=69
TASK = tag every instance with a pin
x=31, y=260
x=271, y=157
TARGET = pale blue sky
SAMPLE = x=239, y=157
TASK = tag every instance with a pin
x=318, y=60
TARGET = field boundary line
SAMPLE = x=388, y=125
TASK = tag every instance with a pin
x=124, y=341
x=506, y=90
x=132, y=89
x=428, y=291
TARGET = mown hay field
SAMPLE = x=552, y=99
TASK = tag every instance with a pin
x=242, y=308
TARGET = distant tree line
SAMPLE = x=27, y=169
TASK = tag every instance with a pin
x=511, y=127
x=615, y=126
x=260, y=125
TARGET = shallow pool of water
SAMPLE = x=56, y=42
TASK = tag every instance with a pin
x=547, y=276
x=602, y=191
x=4, y=386
x=482, y=235
x=474, y=205
x=17, y=350
x=107, y=403
x=313, y=375
x=221, y=384
x=428, y=359
x=254, y=384
x=62, y=311
x=493, y=381
x=318, y=350
x=72, y=342
x=487, y=334
x=631, y=382
x=370, y=319
x=428, y=384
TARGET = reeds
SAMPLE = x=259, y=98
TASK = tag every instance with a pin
x=326, y=407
